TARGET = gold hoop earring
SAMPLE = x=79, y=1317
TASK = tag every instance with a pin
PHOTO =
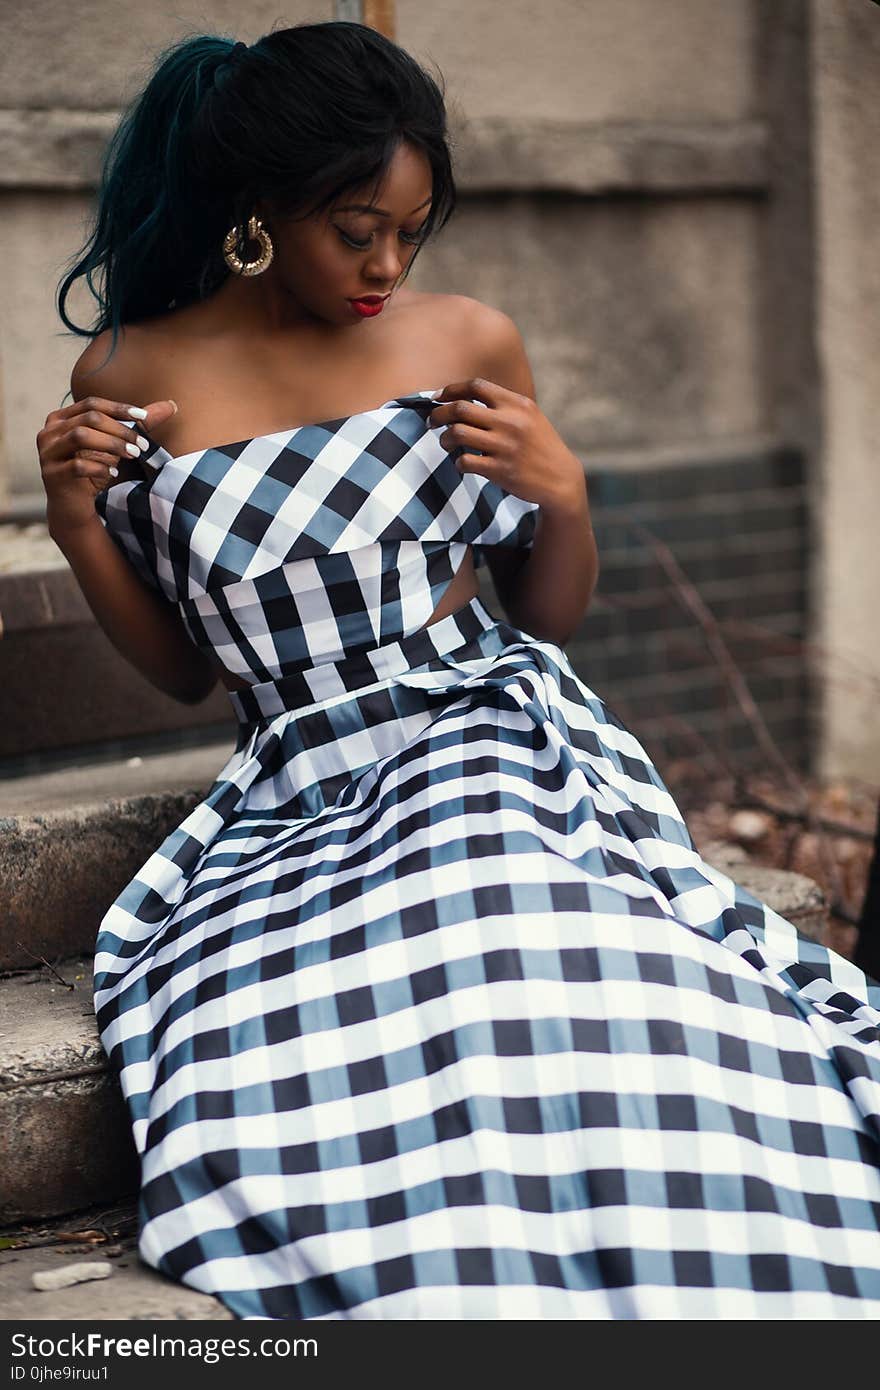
x=256, y=232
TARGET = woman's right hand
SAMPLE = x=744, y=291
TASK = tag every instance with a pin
x=81, y=445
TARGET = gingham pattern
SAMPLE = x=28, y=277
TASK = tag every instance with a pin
x=302, y=546
x=431, y=1009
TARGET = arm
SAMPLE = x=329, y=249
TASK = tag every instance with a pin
x=545, y=590
x=551, y=591
x=142, y=625
x=140, y=622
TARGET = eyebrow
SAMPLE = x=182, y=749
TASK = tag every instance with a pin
x=380, y=212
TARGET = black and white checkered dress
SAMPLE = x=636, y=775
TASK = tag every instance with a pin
x=430, y=1008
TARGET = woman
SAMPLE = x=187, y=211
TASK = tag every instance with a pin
x=430, y=1008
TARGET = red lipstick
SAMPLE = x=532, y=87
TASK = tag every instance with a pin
x=369, y=305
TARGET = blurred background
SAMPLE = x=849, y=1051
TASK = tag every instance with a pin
x=677, y=204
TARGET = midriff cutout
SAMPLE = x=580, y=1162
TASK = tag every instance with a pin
x=462, y=587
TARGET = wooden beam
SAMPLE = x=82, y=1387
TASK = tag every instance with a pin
x=379, y=14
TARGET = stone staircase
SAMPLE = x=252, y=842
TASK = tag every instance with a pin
x=71, y=837
x=69, y=841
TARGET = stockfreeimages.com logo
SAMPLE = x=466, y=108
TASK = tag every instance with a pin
x=96, y=1345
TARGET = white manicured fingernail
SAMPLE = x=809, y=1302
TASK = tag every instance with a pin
x=133, y=450
x=114, y=472
x=138, y=412
x=132, y=424
x=142, y=443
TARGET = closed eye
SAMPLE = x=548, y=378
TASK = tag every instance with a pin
x=412, y=238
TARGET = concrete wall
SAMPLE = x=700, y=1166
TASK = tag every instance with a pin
x=587, y=60
x=847, y=144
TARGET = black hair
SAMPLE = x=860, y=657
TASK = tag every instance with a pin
x=300, y=117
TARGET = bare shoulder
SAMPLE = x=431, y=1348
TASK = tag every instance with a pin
x=120, y=375
x=139, y=363
x=498, y=347
x=492, y=345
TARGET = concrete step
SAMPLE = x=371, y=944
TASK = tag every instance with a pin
x=132, y=1291
x=70, y=840
x=65, y=1138
x=62, y=683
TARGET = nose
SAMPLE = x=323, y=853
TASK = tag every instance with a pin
x=384, y=265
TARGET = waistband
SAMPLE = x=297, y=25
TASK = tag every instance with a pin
x=328, y=680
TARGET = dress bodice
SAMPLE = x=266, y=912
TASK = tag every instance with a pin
x=309, y=544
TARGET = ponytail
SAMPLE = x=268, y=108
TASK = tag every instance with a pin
x=148, y=236
x=298, y=118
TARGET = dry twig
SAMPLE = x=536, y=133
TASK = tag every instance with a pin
x=42, y=959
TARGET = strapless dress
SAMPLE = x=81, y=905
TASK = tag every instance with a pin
x=430, y=1008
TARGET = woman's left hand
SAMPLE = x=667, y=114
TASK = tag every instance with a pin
x=518, y=447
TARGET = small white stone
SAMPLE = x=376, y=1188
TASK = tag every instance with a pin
x=749, y=826
x=50, y=1279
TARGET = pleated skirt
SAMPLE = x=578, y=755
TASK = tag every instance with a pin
x=431, y=1009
